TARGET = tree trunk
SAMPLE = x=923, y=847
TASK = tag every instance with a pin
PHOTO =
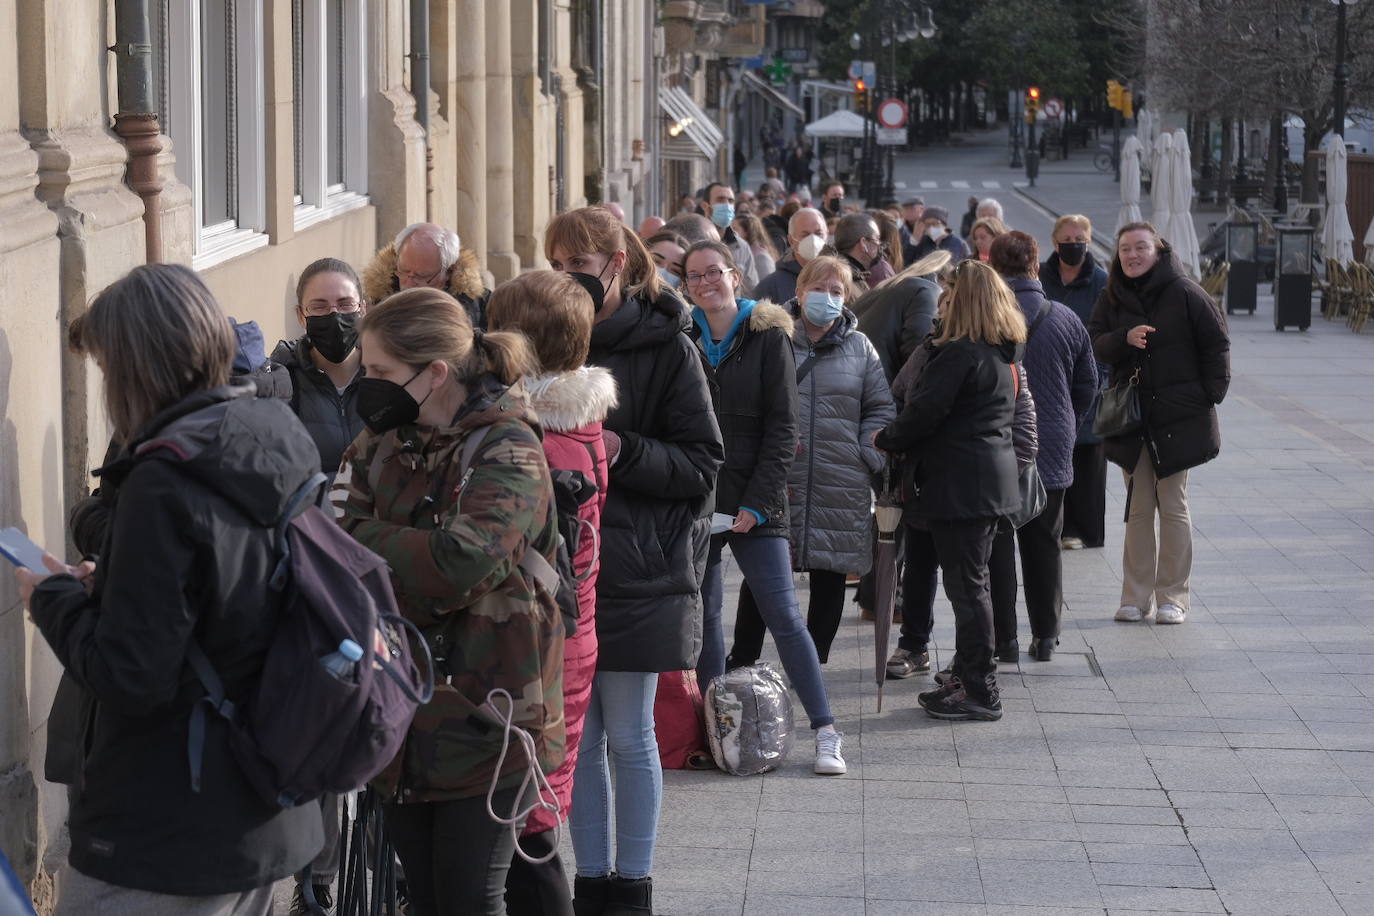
x=1228, y=147
x=1312, y=130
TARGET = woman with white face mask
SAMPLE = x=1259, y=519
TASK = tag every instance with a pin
x=843, y=399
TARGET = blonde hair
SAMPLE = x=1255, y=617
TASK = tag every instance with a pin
x=825, y=267
x=981, y=308
x=552, y=310
x=1073, y=219
x=595, y=229
x=159, y=336
x=423, y=325
x=932, y=263
x=992, y=224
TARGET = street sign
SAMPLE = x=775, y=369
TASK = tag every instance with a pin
x=865, y=70
x=1054, y=108
x=892, y=136
x=892, y=113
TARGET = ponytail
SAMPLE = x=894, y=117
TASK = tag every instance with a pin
x=505, y=354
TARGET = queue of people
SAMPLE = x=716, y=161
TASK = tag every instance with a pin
x=677, y=381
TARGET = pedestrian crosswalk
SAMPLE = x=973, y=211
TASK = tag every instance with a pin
x=953, y=185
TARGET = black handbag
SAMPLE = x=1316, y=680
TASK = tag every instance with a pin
x=1118, y=413
x=1033, y=496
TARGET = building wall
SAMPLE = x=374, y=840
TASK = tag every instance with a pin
x=69, y=226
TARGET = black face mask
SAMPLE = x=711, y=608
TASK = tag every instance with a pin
x=833, y=204
x=593, y=286
x=334, y=335
x=385, y=405
x=1071, y=253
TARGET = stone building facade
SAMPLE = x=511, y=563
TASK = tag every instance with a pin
x=287, y=130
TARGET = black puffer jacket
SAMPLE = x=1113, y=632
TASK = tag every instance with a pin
x=754, y=390
x=331, y=418
x=956, y=427
x=1185, y=367
x=188, y=555
x=656, y=526
x=896, y=318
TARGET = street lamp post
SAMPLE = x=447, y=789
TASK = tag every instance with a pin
x=1342, y=77
x=1018, y=43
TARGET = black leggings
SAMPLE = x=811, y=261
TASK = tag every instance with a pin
x=823, y=613
x=537, y=890
x=455, y=856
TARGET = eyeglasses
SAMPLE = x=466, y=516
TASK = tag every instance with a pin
x=419, y=279
x=712, y=273
x=342, y=306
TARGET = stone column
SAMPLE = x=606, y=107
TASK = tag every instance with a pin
x=469, y=124
x=532, y=127
x=396, y=148
x=502, y=260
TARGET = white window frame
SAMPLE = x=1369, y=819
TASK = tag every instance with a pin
x=319, y=200
x=216, y=244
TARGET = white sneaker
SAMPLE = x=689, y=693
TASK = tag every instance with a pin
x=1070, y=543
x=828, y=759
x=1170, y=613
x=1129, y=614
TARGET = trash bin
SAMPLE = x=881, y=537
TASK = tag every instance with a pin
x=1293, y=278
x=1242, y=245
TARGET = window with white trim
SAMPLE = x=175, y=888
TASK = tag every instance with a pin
x=214, y=70
x=329, y=79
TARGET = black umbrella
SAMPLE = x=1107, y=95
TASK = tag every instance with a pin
x=889, y=513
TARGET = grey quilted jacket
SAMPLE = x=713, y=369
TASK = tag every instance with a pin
x=842, y=402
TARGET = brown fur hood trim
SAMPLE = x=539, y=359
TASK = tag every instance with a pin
x=379, y=279
x=767, y=315
x=566, y=401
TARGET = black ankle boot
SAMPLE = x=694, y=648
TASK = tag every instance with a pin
x=1042, y=648
x=631, y=897
x=591, y=895
x=1009, y=652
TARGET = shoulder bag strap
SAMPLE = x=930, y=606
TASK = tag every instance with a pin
x=1039, y=317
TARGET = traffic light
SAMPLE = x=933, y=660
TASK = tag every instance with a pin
x=861, y=96
x=1114, y=92
x=1032, y=102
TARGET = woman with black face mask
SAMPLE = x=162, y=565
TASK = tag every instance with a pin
x=1072, y=275
x=324, y=363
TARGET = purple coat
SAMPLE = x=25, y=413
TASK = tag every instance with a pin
x=1062, y=374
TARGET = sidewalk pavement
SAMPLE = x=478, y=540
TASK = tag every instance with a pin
x=1221, y=766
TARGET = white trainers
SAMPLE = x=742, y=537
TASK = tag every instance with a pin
x=828, y=759
x=1070, y=543
x=1129, y=614
x=1170, y=613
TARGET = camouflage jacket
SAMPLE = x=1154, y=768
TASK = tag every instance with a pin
x=454, y=539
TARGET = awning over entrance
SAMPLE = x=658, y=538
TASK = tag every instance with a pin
x=691, y=134
x=755, y=83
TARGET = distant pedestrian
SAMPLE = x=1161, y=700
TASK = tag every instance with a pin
x=843, y=400
x=572, y=400
x=958, y=422
x=966, y=224
x=1071, y=275
x=185, y=560
x=740, y=162
x=860, y=244
x=748, y=347
x=1062, y=376
x=1154, y=324
x=985, y=230
x=935, y=236
x=890, y=262
x=720, y=198
x=832, y=198
x=990, y=207
x=751, y=229
x=910, y=228
x=667, y=248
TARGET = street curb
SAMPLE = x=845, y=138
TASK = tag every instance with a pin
x=1103, y=253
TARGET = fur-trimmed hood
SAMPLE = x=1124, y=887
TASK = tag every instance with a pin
x=379, y=278
x=768, y=315
x=566, y=401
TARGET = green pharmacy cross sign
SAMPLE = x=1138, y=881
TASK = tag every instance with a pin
x=779, y=71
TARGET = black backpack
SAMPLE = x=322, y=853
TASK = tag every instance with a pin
x=303, y=731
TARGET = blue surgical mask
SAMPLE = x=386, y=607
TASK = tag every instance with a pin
x=821, y=307
x=723, y=215
x=667, y=276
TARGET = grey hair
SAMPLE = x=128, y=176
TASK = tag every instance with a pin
x=446, y=240
x=851, y=229
x=994, y=204
x=792, y=220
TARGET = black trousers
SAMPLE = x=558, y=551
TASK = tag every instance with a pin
x=823, y=612
x=1085, y=501
x=537, y=890
x=1042, y=572
x=455, y=856
x=964, y=546
x=920, y=579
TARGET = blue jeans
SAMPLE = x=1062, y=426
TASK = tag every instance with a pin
x=619, y=727
x=767, y=567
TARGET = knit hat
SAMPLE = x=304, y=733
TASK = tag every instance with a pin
x=939, y=213
x=914, y=202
